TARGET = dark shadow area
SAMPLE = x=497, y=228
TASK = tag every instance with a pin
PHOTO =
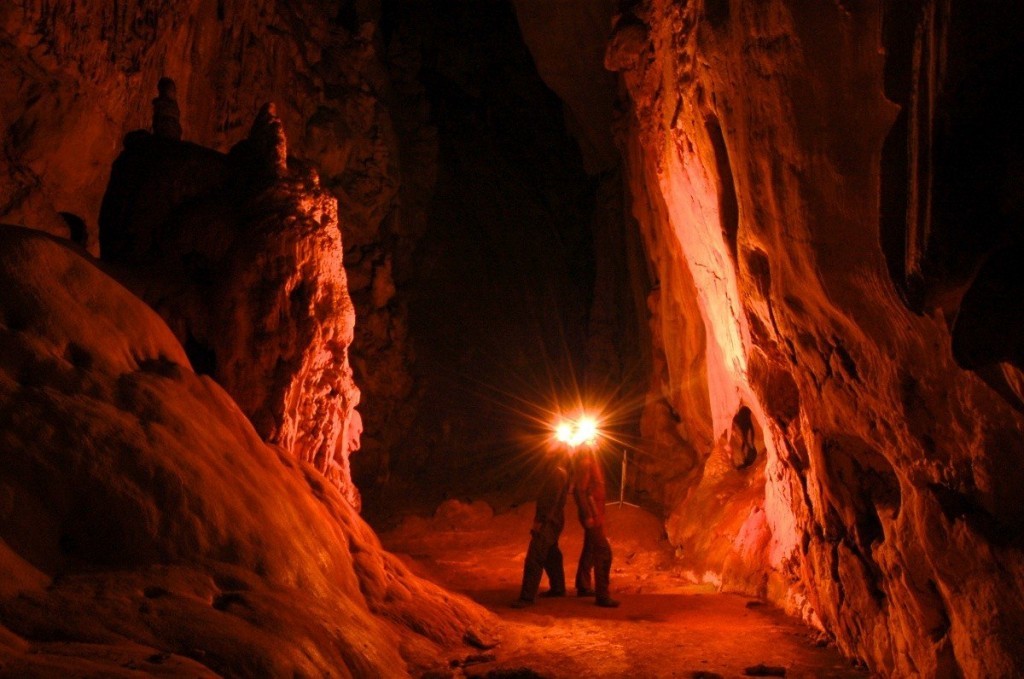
x=743, y=439
x=502, y=282
x=78, y=233
x=952, y=164
x=898, y=25
x=201, y=356
x=716, y=12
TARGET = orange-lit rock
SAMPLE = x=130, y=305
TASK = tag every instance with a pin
x=77, y=78
x=888, y=511
x=828, y=198
x=145, y=526
x=243, y=258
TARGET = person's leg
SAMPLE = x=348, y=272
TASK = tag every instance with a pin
x=533, y=567
x=555, y=569
x=586, y=564
x=602, y=567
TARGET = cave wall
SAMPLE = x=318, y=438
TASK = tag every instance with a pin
x=81, y=77
x=882, y=503
x=499, y=283
x=829, y=217
x=241, y=254
x=146, y=527
x=77, y=79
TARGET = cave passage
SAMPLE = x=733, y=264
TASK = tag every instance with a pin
x=279, y=278
x=502, y=282
x=666, y=626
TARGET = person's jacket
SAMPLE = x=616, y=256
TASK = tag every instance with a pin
x=551, y=500
x=589, y=489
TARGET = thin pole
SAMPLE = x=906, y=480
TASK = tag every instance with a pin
x=622, y=481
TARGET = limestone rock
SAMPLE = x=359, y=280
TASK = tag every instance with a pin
x=250, y=276
x=78, y=78
x=268, y=143
x=626, y=44
x=144, y=526
x=883, y=501
x=166, y=113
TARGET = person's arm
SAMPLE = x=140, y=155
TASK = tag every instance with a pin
x=585, y=496
x=547, y=501
x=544, y=502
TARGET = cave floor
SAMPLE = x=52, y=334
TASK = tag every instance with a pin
x=665, y=626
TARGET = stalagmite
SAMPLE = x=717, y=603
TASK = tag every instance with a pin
x=166, y=114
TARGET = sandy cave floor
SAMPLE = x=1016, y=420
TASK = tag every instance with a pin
x=665, y=627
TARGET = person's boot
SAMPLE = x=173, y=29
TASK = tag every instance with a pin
x=552, y=593
x=584, y=592
x=521, y=603
x=607, y=602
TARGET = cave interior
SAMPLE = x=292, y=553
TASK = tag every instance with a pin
x=295, y=292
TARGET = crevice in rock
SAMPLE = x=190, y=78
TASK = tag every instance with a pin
x=716, y=12
x=961, y=505
x=78, y=232
x=893, y=210
x=202, y=357
x=728, y=207
x=744, y=439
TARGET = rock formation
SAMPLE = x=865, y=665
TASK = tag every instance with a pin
x=166, y=112
x=783, y=168
x=77, y=80
x=243, y=259
x=826, y=305
x=145, y=527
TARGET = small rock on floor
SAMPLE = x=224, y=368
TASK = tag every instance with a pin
x=762, y=670
x=474, y=659
x=511, y=673
x=471, y=638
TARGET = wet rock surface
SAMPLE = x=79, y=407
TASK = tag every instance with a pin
x=243, y=258
x=146, y=527
x=761, y=138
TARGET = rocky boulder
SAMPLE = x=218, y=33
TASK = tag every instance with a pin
x=144, y=524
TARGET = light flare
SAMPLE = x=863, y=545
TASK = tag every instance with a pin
x=581, y=431
x=563, y=432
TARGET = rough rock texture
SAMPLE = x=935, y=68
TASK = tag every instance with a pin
x=242, y=256
x=883, y=500
x=144, y=526
x=381, y=265
x=828, y=193
x=78, y=78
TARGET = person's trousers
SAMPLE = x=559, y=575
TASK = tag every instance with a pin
x=596, y=556
x=543, y=556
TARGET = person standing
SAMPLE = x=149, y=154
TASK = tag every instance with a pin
x=543, y=554
x=589, y=493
